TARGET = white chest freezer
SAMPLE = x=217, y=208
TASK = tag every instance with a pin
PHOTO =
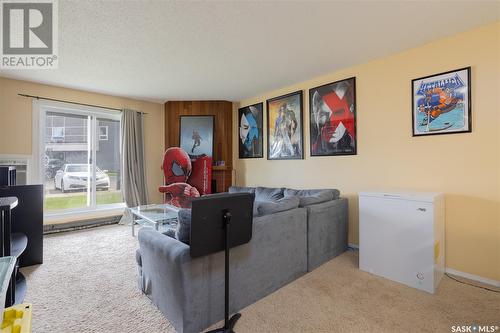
x=401, y=237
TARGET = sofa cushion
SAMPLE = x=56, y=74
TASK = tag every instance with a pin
x=271, y=207
x=268, y=193
x=183, y=232
x=241, y=189
x=255, y=209
x=312, y=197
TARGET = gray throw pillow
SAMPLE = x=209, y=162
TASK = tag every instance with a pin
x=271, y=207
x=183, y=232
x=241, y=189
x=268, y=193
x=169, y=233
x=312, y=197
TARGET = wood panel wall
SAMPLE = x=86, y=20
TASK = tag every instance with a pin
x=223, y=143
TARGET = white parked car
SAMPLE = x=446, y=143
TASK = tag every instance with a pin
x=75, y=177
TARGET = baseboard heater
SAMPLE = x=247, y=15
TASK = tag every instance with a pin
x=80, y=224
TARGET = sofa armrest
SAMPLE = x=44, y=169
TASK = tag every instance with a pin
x=162, y=259
x=327, y=227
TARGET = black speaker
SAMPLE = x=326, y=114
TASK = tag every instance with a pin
x=7, y=175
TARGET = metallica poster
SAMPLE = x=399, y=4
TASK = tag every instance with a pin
x=284, y=127
x=441, y=103
x=250, y=130
x=332, y=118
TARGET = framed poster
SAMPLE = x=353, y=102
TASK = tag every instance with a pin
x=332, y=118
x=284, y=127
x=250, y=130
x=196, y=135
x=441, y=103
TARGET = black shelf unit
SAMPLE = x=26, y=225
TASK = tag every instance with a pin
x=12, y=244
x=27, y=218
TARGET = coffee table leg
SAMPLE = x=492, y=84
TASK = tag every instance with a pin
x=133, y=222
x=156, y=226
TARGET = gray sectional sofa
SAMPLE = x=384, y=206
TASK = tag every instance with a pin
x=293, y=233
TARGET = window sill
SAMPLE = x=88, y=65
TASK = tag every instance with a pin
x=69, y=216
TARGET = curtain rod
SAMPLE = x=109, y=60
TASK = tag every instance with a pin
x=70, y=102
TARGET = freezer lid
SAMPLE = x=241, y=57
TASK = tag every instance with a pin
x=402, y=195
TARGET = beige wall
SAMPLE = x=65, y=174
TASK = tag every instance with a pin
x=464, y=166
x=16, y=114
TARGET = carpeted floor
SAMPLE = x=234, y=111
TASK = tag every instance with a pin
x=88, y=284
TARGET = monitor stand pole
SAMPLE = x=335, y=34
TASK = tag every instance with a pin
x=228, y=322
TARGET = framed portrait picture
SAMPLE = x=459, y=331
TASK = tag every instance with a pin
x=441, y=103
x=332, y=118
x=284, y=127
x=197, y=135
x=250, y=131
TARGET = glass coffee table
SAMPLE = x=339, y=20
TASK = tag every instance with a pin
x=162, y=216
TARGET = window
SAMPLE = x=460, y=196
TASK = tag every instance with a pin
x=103, y=133
x=57, y=133
x=79, y=157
